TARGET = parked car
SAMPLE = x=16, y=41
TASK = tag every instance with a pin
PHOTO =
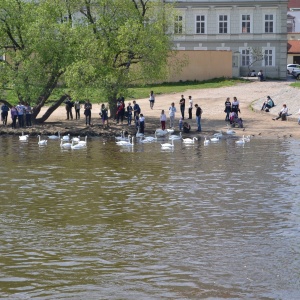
x=291, y=67
x=296, y=73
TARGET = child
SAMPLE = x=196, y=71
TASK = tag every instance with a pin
x=163, y=119
x=142, y=123
x=180, y=124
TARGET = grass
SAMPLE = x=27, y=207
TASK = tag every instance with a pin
x=137, y=92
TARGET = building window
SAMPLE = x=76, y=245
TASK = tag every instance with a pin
x=246, y=24
x=200, y=24
x=269, y=57
x=223, y=24
x=178, y=25
x=246, y=57
x=269, y=23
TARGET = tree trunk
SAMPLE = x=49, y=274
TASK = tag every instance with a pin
x=50, y=110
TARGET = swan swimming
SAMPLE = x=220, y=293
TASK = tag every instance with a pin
x=189, y=141
x=160, y=132
x=77, y=146
x=218, y=134
x=23, y=138
x=54, y=137
x=76, y=139
x=83, y=142
x=127, y=143
x=121, y=137
x=41, y=142
x=167, y=145
x=230, y=131
x=65, y=145
x=66, y=137
x=175, y=137
x=240, y=141
x=120, y=143
x=206, y=141
x=139, y=134
x=215, y=139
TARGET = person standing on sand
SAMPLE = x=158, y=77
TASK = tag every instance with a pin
x=163, y=119
x=235, y=107
x=129, y=114
x=182, y=106
x=151, y=99
x=4, y=113
x=190, y=107
x=227, y=108
x=104, y=115
x=87, y=112
x=198, y=117
x=172, y=111
x=14, y=115
x=77, y=109
x=69, y=106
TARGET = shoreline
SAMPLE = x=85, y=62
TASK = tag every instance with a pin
x=250, y=95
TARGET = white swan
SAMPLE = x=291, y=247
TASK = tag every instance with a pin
x=42, y=142
x=66, y=137
x=148, y=139
x=23, y=138
x=167, y=145
x=83, y=142
x=230, y=131
x=54, y=137
x=127, y=143
x=76, y=139
x=65, y=145
x=240, y=141
x=218, y=134
x=77, y=146
x=247, y=138
x=189, y=141
x=206, y=141
x=139, y=134
x=122, y=137
x=120, y=143
x=160, y=132
x=214, y=139
x=175, y=137
x=171, y=130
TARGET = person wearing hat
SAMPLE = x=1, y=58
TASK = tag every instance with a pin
x=198, y=117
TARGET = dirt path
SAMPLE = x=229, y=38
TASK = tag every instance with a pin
x=251, y=96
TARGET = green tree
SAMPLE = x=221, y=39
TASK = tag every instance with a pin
x=123, y=42
x=86, y=44
x=38, y=46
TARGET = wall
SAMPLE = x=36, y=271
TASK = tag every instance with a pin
x=202, y=65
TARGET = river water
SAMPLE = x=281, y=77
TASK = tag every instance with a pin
x=109, y=222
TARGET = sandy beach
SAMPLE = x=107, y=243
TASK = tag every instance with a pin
x=250, y=95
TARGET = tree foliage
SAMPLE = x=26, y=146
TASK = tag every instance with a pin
x=104, y=44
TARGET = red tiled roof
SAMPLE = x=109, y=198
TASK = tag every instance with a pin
x=293, y=4
x=293, y=47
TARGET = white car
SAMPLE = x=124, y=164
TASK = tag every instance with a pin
x=291, y=67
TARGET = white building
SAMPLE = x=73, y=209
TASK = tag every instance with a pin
x=253, y=30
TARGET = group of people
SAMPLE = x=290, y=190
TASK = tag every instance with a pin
x=183, y=125
x=232, y=111
x=21, y=113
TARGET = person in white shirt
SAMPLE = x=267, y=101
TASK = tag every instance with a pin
x=283, y=113
x=163, y=119
x=190, y=107
x=172, y=111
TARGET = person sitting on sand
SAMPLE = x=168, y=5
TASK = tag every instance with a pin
x=269, y=103
x=283, y=113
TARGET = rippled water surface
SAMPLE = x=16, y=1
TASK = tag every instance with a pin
x=199, y=222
